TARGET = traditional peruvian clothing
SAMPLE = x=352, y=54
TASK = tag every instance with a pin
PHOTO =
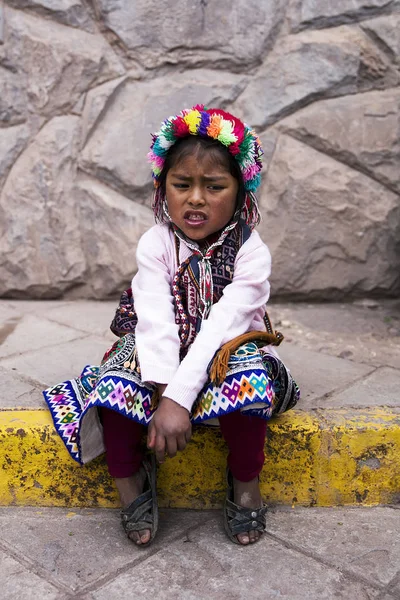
x=194, y=319
x=157, y=333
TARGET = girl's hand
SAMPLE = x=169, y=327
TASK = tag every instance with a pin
x=169, y=430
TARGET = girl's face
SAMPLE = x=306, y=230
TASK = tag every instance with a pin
x=201, y=196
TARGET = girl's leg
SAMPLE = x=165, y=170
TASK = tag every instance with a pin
x=122, y=439
x=124, y=455
x=245, y=437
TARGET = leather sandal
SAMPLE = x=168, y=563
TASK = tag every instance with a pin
x=143, y=512
x=238, y=519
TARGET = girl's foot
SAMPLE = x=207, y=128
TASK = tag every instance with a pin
x=129, y=489
x=248, y=495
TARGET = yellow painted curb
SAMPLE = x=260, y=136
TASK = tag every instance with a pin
x=327, y=458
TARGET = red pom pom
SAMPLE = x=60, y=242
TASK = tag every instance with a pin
x=238, y=128
x=234, y=148
x=181, y=128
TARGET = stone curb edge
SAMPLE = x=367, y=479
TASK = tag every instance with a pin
x=319, y=458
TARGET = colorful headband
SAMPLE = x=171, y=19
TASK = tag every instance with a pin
x=241, y=141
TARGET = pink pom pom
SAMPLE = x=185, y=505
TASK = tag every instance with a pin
x=250, y=172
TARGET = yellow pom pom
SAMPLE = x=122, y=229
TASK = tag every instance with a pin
x=192, y=120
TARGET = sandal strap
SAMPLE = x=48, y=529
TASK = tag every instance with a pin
x=241, y=519
x=142, y=513
x=138, y=515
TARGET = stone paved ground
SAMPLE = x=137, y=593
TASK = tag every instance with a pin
x=332, y=553
x=306, y=554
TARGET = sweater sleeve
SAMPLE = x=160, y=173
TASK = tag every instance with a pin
x=157, y=335
x=231, y=316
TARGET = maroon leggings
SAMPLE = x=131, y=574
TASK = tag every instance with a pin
x=244, y=435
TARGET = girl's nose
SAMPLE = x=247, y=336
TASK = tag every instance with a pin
x=196, y=197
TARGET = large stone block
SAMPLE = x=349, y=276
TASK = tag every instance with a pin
x=69, y=12
x=386, y=30
x=95, y=103
x=52, y=64
x=116, y=150
x=40, y=245
x=1, y=24
x=360, y=130
x=325, y=13
x=13, y=98
x=313, y=65
x=12, y=141
x=332, y=231
x=227, y=32
x=328, y=96
x=111, y=227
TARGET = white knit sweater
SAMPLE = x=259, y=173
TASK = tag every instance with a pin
x=240, y=309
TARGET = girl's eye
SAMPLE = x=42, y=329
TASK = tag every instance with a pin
x=185, y=186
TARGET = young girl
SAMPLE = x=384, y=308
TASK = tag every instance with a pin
x=195, y=342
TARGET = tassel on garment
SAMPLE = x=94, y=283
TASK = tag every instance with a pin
x=219, y=365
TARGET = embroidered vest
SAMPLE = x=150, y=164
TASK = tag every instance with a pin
x=185, y=289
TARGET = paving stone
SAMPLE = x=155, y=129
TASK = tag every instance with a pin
x=344, y=330
x=365, y=542
x=8, y=311
x=318, y=374
x=33, y=307
x=53, y=365
x=34, y=333
x=338, y=319
x=381, y=388
x=17, y=393
x=91, y=317
x=18, y=583
x=55, y=540
x=207, y=565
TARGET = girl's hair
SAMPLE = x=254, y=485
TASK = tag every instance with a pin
x=202, y=147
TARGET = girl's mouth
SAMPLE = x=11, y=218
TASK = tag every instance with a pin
x=194, y=218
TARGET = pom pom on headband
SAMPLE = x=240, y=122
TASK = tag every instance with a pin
x=241, y=141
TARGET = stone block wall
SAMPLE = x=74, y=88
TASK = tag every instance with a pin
x=84, y=82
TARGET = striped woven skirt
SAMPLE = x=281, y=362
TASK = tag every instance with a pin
x=256, y=382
